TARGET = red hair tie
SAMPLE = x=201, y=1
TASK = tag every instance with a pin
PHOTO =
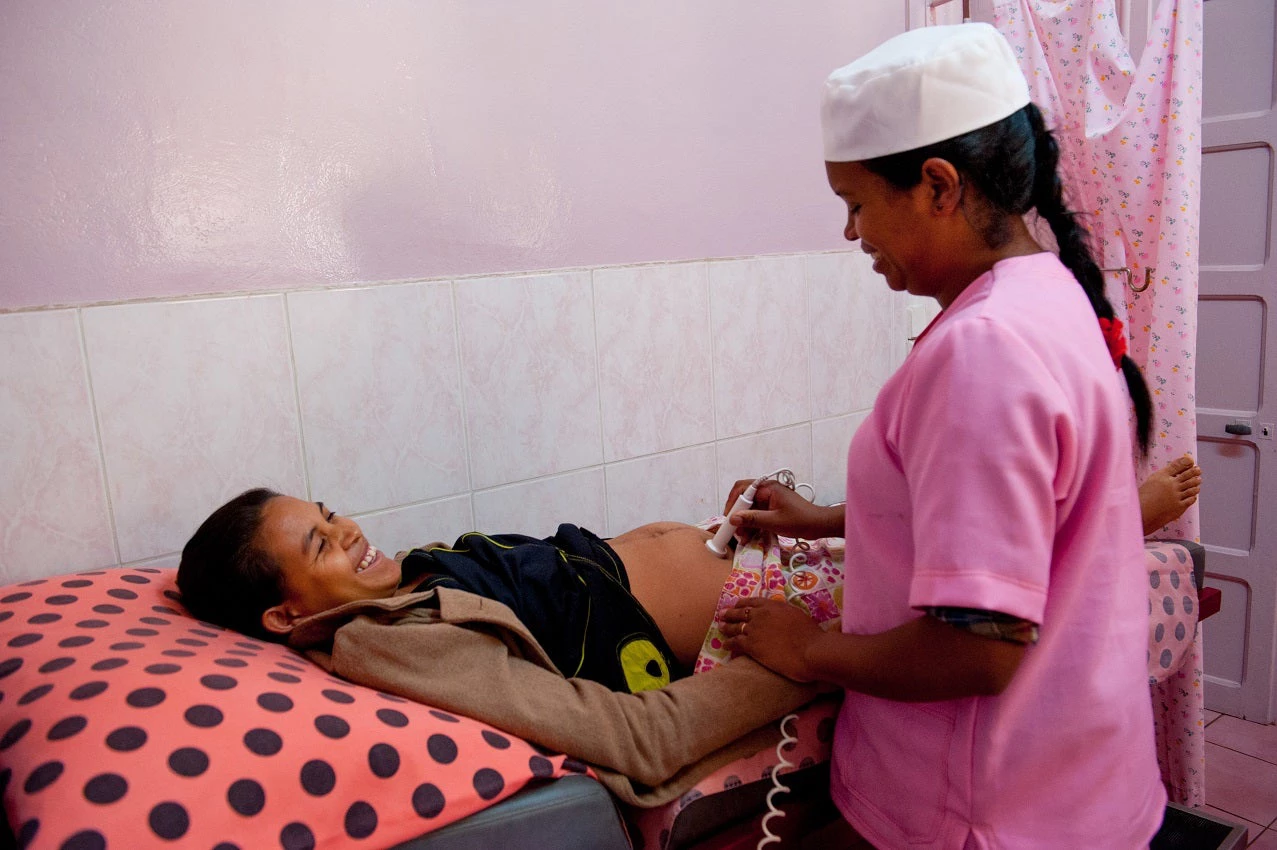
x=1115, y=339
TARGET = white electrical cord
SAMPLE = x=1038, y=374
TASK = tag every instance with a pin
x=786, y=739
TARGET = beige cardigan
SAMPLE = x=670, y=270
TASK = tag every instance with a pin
x=460, y=652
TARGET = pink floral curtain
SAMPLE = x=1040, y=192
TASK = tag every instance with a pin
x=1130, y=138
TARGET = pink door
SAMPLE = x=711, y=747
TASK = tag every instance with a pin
x=1237, y=369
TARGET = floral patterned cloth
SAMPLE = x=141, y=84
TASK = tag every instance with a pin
x=1130, y=141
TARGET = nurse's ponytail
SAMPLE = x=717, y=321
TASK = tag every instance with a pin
x=1048, y=200
x=1013, y=163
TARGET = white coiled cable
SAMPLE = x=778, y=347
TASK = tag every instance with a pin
x=778, y=787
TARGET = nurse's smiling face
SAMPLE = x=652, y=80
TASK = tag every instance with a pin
x=892, y=225
x=324, y=561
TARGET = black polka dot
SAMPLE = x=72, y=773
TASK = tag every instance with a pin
x=331, y=693
x=109, y=664
x=145, y=697
x=25, y=639
x=383, y=760
x=391, y=717
x=541, y=767
x=9, y=666
x=121, y=593
x=6, y=774
x=1159, y=633
x=577, y=766
x=177, y=653
x=135, y=579
x=91, y=624
x=246, y=797
x=332, y=727
x=243, y=644
x=226, y=845
x=444, y=716
x=154, y=621
x=77, y=582
x=15, y=734
x=43, y=776
x=26, y=833
x=62, y=599
x=427, y=800
x=285, y=678
x=15, y=597
x=34, y=694
x=35, y=581
x=497, y=742
x=217, y=682
x=162, y=669
x=56, y=664
x=88, y=690
x=203, y=716
x=127, y=645
x=1180, y=631
x=361, y=820
x=41, y=619
x=390, y=697
x=169, y=820
x=4, y=615
x=272, y=701
x=203, y=633
x=67, y=726
x=263, y=742
x=288, y=666
x=191, y=642
x=442, y=749
x=141, y=632
x=488, y=783
x=188, y=761
x=242, y=652
x=318, y=777
x=126, y=739
x=78, y=640
x=164, y=609
x=108, y=609
x=230, y=662
x=296, y=836
x=105, y=788
x=85, y=839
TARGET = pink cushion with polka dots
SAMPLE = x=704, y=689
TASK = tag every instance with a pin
x=125, y=723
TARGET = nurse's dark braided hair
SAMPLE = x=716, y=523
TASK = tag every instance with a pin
x=1013, y=164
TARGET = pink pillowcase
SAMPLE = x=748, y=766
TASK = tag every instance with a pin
x=124, y=723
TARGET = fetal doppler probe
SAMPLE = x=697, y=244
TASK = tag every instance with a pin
x=718, y=544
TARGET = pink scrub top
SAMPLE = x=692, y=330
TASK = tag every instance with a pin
x=995, y=472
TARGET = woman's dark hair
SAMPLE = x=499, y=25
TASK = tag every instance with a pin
x=225, y=577
x=1013, y=164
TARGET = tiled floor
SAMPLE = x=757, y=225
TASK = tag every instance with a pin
x=1241, y=775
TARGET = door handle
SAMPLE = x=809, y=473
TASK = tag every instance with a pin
x=1239, y=428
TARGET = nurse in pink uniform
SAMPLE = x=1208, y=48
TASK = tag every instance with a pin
x=995, y=614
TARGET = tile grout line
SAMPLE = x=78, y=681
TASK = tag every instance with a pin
x=105, y=478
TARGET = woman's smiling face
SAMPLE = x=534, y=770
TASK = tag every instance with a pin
x=324, y=561
x=890, y=223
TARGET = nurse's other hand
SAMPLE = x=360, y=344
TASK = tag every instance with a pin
x=773, y=633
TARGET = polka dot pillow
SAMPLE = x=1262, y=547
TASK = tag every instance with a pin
x=125, y=723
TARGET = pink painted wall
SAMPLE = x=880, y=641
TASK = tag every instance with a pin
x=152, y=148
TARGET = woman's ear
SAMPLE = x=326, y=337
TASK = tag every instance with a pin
x=943, y=184
x=278, y=620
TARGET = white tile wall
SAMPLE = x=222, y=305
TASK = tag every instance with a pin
x=379, y=387
x=53, y=506
x=530, y=376
x=679, y=485
x=760, y=331
x=606, y=397
x=655, y=386
x=537, y=507
x=195, y=402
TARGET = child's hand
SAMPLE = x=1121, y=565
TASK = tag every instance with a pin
x=773, y=633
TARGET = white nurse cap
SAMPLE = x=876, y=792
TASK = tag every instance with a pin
x=918, y=88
